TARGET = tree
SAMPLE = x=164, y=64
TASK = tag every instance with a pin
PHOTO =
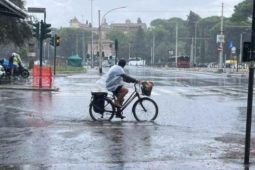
x=123, y=42
x=207, y=30
x=165, y=37
x=243, y=12
x=139, y=21
x=72, y=41
x=139, y=44
x=14, y=30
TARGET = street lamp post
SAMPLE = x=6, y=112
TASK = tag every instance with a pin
x=176, y=44
x=100, y=44
x=92, y=42
x=194, y=46
x=221, y=43
x=195, y=41
x=100, y=34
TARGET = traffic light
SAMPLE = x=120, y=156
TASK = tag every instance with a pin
x=52, y=41
x=116, y=45
x=57, y=40
x=103, y=54
x=246, y=56
x=35, y=30
x=237, y=51
x=45, y=30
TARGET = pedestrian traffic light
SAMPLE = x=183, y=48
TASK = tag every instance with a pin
x=57, y=40
x=35, y=30
x=45, y=30
x=246, y=56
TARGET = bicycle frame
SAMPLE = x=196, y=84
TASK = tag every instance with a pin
x=129, y=100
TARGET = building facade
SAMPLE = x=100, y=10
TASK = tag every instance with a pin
x=107, y=45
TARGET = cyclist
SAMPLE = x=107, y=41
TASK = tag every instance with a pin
x=114, y=83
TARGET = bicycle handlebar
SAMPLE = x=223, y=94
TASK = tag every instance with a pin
x=137, y=83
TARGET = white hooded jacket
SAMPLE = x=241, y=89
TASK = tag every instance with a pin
x=114, y=78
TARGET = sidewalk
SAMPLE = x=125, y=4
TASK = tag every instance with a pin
x=24, y=85
x=241, y=73
x=28, y=85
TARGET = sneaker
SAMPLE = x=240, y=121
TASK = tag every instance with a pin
x=119, y=115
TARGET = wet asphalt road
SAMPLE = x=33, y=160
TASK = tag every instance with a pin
x=201, y=125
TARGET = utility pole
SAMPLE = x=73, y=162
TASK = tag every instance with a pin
x=129, y=51
x=195, y=42
x=239, y=60
x=153, y=48
x=192, y=52
x=151, y=55
x=100, y=42
x=241, y=47
x=221, y=43
x=92, y=41
x=83, y=47
x=176, y=44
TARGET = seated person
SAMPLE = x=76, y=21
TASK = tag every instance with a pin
x=114, y=82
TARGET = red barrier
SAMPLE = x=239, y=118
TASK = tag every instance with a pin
x=46, y=76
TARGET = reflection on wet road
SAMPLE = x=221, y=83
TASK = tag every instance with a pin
x=200, y=125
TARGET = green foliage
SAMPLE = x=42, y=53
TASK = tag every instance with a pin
x=69, y=69
x=243, y=12
x=14, y=30
x=139, y=44
x=123, y=41
x=73, y=41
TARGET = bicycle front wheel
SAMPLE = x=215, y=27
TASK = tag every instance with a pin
x=145, y=109
x=104, y=113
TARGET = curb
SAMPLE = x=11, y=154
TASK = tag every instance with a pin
x=28, y=88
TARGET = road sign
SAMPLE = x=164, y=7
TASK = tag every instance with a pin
x=233, y=50
x=220, y=38
x=171, y=52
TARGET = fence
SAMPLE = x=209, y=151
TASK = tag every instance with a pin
x=45, y=76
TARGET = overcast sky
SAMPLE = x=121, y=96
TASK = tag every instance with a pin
x=59, y=12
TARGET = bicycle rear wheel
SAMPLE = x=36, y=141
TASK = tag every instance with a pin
x=102, y=114
x=145, y=109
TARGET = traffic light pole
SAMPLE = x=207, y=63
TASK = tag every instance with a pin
x=250, y=93
x=41, y=31
x=249, y=115
x=41, y=53
x=55, y=55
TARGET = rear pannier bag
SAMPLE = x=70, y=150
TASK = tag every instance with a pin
x=98, y=101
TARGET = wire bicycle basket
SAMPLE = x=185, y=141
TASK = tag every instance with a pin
x=146, y=88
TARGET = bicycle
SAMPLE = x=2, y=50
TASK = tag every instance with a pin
x=102, y=107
